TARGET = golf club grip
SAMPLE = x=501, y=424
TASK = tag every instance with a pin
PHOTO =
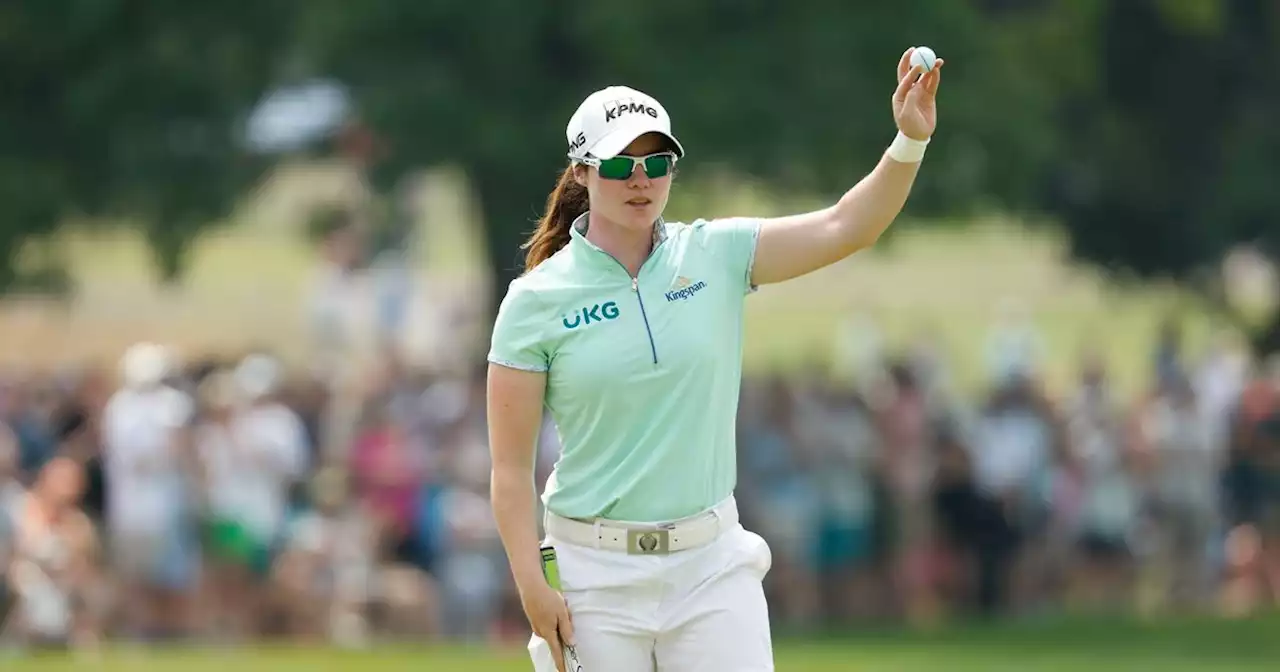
x=571, y=662
x=551, y=570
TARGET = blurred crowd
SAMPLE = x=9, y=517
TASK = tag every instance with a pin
x=894, y=498
x=199, y=502
x=220, y=501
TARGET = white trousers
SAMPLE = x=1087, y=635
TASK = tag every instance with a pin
x=698, y=610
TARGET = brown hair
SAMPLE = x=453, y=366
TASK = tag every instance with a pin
x=566, y=203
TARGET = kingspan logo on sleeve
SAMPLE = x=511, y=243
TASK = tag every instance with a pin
x=588, y=314
x=683, y=289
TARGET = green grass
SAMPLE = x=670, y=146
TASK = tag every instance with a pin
x=1094, y=646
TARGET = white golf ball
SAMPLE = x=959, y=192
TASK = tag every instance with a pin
x=924, y=57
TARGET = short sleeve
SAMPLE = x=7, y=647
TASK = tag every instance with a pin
x=734, y=241
x=517, y=340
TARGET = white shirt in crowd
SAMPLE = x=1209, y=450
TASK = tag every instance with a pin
x=250, y=465
x=1187, y=451
x=1109, y=505
x=1219, y=380
x=140, y=430
x=1011, y=451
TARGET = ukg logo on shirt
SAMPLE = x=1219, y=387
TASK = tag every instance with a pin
x=684, y=289
x=597, y=313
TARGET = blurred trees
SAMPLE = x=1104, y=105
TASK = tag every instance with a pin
x=794, y=93
x=1146, y=127
x=114, y=110
x=1172, y=156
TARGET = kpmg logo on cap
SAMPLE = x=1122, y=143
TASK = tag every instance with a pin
x=615, y=109
x=578, y=142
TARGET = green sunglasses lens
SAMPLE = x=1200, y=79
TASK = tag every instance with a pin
x=617, y=168
x=621, y=167
x=657, y=166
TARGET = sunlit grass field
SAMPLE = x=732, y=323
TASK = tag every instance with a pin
x=248, y=285
x=1098, y=646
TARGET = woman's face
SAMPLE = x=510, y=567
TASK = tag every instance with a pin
x=634, y=203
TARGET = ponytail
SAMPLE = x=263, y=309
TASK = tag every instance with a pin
x=566, y=203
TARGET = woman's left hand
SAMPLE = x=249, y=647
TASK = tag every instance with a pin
x=915, y=107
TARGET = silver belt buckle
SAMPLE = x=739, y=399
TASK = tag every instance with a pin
x=648, y=542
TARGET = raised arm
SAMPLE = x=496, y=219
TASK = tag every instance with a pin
x=795, y=245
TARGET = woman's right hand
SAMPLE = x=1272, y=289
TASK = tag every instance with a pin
x=548, y=615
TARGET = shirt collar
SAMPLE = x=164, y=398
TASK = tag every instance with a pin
x=578, y=230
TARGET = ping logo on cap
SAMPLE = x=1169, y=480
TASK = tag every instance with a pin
x=616, y=108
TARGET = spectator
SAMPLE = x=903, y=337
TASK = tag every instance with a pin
x=53, y=569
x=149, y=479
x=974, y=526
x=1014, y=454
x=1110, y=500
x=1179, y=443
x=267, y=455
x=880, y=499
x=470, y=570
x=326, y=570
x=909, y=468
x=783, y=500
x=847, y=448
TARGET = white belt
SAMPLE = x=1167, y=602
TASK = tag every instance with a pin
x=645, y=538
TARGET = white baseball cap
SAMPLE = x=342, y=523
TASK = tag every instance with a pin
x=611, y=118
x=145, y=364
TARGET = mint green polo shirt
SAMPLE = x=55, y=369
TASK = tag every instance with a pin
x=643, y=373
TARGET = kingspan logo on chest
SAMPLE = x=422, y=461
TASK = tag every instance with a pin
x=684, y=289
x=588, y=314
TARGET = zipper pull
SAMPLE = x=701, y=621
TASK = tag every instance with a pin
x=635, y=284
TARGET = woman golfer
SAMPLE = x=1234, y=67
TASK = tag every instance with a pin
x=629, y=329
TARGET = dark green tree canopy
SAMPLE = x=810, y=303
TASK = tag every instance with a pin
x=1146, y=128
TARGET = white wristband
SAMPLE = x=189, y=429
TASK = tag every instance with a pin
x=907, y=150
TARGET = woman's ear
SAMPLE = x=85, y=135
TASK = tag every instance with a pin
x=580, y=174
